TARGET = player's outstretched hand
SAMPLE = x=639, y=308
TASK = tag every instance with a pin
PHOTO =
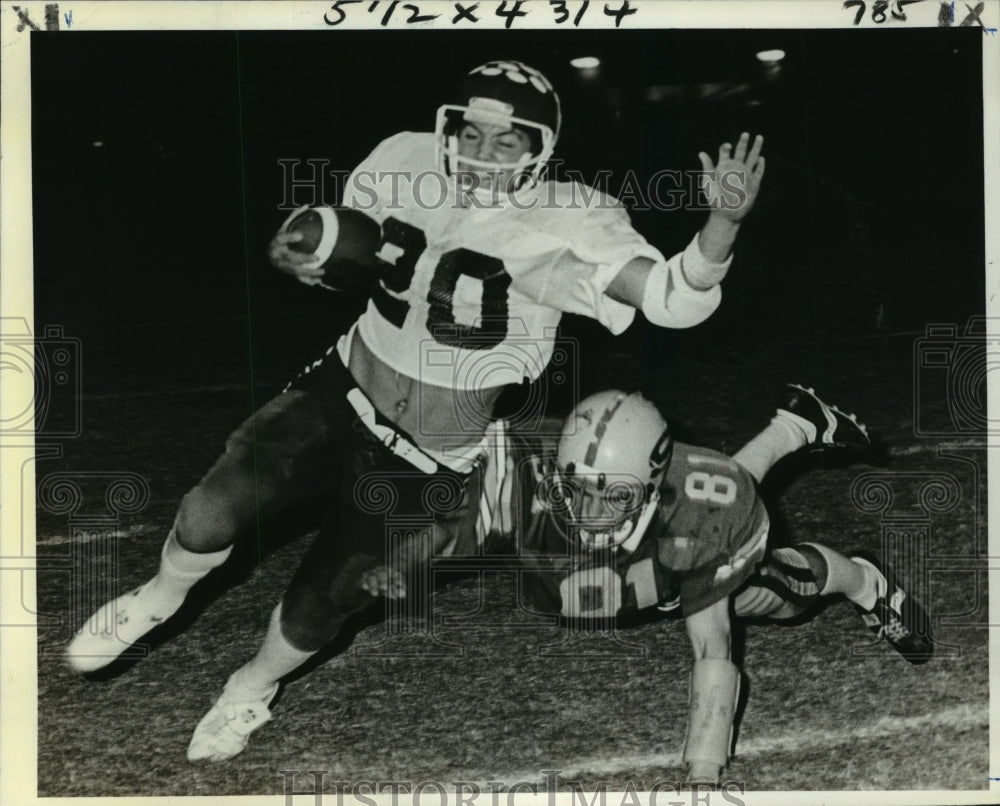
x=304, y=268
x=732, y=184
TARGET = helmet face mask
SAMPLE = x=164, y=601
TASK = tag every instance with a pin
x=612, y=453
x=504, y=94
x=602, y=512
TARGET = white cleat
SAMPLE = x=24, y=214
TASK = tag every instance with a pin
x=114, y=628
x=224, y=731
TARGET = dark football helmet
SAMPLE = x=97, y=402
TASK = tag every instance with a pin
x=504, y=93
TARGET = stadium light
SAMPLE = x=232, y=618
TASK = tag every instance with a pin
x=771, y=56
x=585, y=62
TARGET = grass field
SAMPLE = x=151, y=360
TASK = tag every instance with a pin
x=484, y=690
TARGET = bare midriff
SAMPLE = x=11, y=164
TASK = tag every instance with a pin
x=435, y=416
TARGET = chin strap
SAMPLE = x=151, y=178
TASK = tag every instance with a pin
x=648, y=510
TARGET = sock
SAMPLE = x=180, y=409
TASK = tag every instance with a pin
x=179, y=570
x=275, y=659
x=800, y=425
x=859, y=582
x=783, y=435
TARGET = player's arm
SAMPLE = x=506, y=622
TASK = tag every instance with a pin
x=683, y=291
x=318, y=245
x=714, y=688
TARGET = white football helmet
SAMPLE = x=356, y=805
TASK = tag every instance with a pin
x=612, y=452
x=504, y=93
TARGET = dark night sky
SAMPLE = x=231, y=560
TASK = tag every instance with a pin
x=871, y=216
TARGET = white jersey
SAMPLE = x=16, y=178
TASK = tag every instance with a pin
x=476, y=290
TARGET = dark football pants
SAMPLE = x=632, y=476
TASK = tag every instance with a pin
x=786, y=585
x=309, y=442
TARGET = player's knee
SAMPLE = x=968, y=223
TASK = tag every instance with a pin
x=210, y=519
x=319, y=600
x=814, y=555
x=308, y=622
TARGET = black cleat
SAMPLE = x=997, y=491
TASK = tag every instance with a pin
x=834, y=428
x=897, y=616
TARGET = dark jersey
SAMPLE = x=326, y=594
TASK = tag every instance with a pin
x=561, y=578
x=711, y=526
x=705, y=537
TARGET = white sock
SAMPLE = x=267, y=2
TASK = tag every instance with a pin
x=275, y=659
x=797, y=424
x=858, y=581
x=876, y=585
x=782, y=436
x=179, y=570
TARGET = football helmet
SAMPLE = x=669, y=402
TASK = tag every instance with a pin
x=503, y=93
x=612, y=453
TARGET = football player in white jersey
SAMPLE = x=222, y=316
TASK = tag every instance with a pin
x=477, y=257
x=629, y=520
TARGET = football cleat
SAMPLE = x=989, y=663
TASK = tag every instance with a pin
x=225, y=730
x=114, y=628
x=833, y=428
x=897, y=616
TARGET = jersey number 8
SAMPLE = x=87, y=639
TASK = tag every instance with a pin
x=701, y=486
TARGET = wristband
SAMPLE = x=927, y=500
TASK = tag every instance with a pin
x=700, y=273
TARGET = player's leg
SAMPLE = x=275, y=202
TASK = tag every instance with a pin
x=793, y=580
x=802, y=419
x=270, y=460
x=303, y=623
x=895, y=615
x=357, y=558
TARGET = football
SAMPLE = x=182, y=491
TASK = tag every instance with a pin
x=336, y=234
x=309, y=223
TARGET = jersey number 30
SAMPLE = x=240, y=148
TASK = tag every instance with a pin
x=406, y=244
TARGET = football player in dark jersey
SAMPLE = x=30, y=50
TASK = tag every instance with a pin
x=626, y=518
x=471, y=284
